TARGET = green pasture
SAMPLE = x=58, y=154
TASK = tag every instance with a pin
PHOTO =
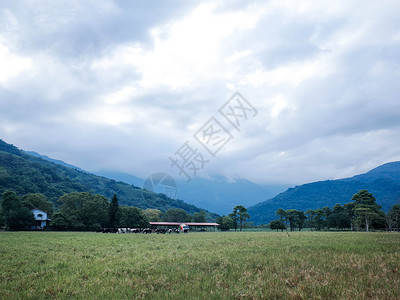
x=210, y=265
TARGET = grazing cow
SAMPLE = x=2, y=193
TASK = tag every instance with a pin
x=147, y=231
x=161, y=230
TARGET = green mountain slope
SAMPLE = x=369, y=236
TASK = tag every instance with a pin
x=56, y=161
x=25, y=173
x=383, y=182
x=389, y=171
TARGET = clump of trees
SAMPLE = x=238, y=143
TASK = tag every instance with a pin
x=226, y=223
x=76, y=211
x=363, y=213
x=153, y=214
x=84, y=211
x=79, y=211
x=277, y=225
x=175, y=215
x=16, y=212
x=234, y=220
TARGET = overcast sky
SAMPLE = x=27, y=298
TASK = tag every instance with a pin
x=122, y=85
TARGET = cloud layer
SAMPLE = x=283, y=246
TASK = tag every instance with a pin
x=121, y=86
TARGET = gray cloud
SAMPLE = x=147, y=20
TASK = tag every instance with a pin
x=122, y=85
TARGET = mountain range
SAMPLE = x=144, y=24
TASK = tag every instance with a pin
x=217, y=194
x=25, y=173
x=383, y=182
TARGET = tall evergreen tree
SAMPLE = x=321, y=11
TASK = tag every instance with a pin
x=234, y=217
x=338, y=218
x=282, y=214
x=366, y=209
x=300, y=219
x=310, y=214
x=291, y=215
x=319, y=220
x=113, y=211
x=241, y=214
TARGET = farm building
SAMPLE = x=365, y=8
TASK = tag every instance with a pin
x=192, y=226
x=41, y=218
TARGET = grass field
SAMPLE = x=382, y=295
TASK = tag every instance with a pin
x=214, y=265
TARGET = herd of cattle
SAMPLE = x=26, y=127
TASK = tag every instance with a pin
x=139, y=230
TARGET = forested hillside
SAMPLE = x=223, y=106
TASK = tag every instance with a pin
x=25, y=174
x=383, y=182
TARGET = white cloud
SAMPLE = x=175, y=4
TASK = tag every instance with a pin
x=78, y=76
x=184, y=52
x=11, y=65
x=238, y=55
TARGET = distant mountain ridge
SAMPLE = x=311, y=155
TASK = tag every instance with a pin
x=25, y=173
x=56, y=161
x=217, y=194
x=389, y=170
x=383, y=182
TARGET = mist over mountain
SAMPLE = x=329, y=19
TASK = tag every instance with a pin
x=217, y=194
x=383, y=182
x=30, y=172
x=56, y=161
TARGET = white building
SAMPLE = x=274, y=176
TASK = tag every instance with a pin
x=41, y=218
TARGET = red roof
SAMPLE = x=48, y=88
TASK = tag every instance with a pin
x=202, y=224
x=177, y=224
x=165, y=223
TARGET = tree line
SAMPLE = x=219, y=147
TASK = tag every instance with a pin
x=362, y=213
x=84, y=211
